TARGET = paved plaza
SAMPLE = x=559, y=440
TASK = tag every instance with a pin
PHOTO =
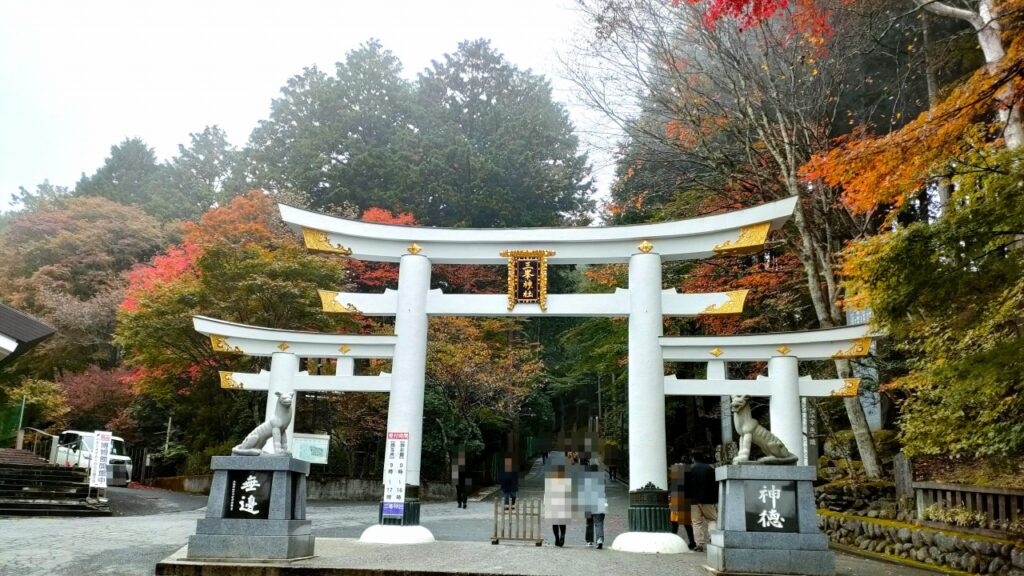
x=132, y=545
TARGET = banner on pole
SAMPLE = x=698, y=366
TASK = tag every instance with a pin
x=99, y=459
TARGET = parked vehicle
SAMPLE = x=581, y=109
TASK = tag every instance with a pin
x=75, y=447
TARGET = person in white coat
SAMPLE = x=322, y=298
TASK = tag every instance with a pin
x=558, y=501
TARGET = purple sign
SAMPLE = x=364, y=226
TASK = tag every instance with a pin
x=393, y=508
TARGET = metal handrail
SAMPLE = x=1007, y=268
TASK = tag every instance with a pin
x=36, y=442
x=37, y=430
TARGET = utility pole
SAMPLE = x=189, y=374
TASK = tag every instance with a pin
x=167, y=437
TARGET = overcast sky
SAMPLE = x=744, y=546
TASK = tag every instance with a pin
x=77, y=77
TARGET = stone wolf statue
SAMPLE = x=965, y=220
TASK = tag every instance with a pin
x=749, y=429
x=275, y=426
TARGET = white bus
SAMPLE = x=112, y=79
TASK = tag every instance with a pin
x=75, y=447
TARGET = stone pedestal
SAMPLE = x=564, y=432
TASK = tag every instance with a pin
x=256, y=510
x=768, y=523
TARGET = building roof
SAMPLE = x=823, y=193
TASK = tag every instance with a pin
x=21, y=328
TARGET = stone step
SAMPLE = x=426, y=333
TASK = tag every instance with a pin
x=14, y=481
x=51, y=492
x=35, y=464
x=30, y=486
x=53, y=511
x=13, y=456
x=32, y=504
x=37, y=469
x=41, y=470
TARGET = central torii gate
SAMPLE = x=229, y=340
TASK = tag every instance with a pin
x=644, y=247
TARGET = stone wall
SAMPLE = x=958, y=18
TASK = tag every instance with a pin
x=192, y=484
x=940, y=548
x=871, y=499
x=368, y=490
x=317, y=488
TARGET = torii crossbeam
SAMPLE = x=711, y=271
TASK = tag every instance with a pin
x=588, y=305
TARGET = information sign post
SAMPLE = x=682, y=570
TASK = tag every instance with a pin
x=312, y=448
x=396, y=455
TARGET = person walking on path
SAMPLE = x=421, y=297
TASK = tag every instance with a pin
x=460, y=476
x=701, y=489
x=509, y=483
x=594, y=502
x=558, y=500
x=678, y=504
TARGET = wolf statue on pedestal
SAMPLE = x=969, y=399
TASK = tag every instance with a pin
x=275, y=426
x=749, y=429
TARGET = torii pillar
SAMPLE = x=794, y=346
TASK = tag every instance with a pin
x=649, y=524
x=405, y=406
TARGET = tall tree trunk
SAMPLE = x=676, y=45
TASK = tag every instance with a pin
x=822, y=308
x=810, y=262
x=943, y=186
x=987, y=27
x=860, y=428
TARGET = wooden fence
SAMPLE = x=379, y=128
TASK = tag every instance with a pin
x=519, y=522
x=999, y=504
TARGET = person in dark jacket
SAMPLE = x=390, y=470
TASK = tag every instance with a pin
x=509, y=483
x=460, y=476
x=701, y=490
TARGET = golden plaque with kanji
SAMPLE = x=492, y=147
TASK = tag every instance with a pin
x=528, y=277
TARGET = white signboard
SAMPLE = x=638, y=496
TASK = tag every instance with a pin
x=310, y=447
x=395, y=456
x=99, y=459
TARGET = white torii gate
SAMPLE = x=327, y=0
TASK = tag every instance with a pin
x=783, y=385
x=645, y=247
x=285, y=348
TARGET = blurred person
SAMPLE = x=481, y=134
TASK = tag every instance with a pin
x=679, y=505
x=460, y=477
x=594, y=503
x=701, y=488
x=509, y=483
x=558, y=501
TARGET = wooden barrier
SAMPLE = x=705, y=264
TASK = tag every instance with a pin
x=519, y=522
x=999, y=504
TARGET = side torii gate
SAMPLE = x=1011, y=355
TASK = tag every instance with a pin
x=645, y=247
x=783, y=385
x=285, y=348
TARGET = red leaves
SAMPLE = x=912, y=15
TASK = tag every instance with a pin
x=382, y=216
x=96, y=387
x=247, y=219
x=163, y=269
x=808, y=19
x=747, y=12
x=376, y=276
x=771, y=282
